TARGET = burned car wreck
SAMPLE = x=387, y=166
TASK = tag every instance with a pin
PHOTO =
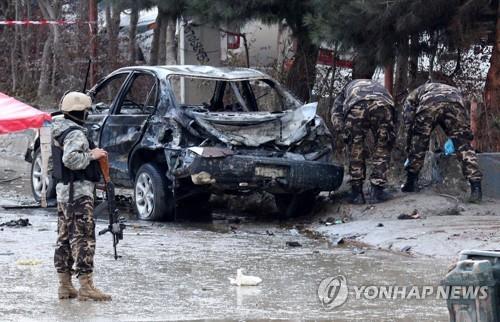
x=176, y=134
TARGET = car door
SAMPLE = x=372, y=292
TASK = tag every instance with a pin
x=125, y=125
x=104, y=96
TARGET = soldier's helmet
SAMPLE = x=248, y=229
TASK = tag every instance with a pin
x=74, y=102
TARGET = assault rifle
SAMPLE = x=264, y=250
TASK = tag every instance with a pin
x=116, y=224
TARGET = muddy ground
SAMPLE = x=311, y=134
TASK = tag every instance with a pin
x=180, y=271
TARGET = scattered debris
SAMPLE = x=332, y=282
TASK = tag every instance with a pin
x=270, y=233
x=333, y=221
x=338, y=241
x=406, y=249
x=50, y=204
x=244, y=280
x=413, y=215
x=357, y=251
x=455, y=211
x=21, y=222
x=370, y=207
x=9, y=179
x=28, y=262
x=293, y=244
x=380, y=224
x=6, y=254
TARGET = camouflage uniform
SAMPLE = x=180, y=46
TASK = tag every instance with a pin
x=76, y=226
x=365, y=105
x=435, y=104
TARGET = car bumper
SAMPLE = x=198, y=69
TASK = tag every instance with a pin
x=275, y=175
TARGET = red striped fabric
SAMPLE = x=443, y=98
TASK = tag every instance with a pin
x=17, y=116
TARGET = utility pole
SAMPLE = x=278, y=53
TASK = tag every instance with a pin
x=93, y=41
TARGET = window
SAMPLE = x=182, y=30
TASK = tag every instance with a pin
x=191, y=91
x=267, y=98
x=106, y=93
x=141, y=96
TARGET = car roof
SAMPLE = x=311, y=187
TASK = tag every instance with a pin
x=224, y=73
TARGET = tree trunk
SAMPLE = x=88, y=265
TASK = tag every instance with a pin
x=364, y=65
x=302, y=75
x=13, y=51
x=25, y=50
x=153, y=56
x=43, y=84
x=401, y=81
x=413, y=62
x=134, y=19
x=113, y=27
x=162, y=43
x=492, y=96
x=50, y=11
x=171, y=46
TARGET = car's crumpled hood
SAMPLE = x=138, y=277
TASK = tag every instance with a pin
x=257, y=128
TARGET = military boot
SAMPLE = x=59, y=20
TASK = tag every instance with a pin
x=66, y=289
x=411, y=182
x=88, y=291
x=378, y=194
x=476, y=193
x=357, y=197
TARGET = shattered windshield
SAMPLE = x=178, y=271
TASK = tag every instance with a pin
x=215, y=95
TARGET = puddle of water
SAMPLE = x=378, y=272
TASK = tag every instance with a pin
x=180, y=271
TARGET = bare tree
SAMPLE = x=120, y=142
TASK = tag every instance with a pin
x=171, y=47
x=112, y=12
x=51, y=11
x=132, y=46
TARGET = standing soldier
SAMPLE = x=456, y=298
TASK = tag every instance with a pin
x=426, y=107
x=76, y=170
x=365, y=105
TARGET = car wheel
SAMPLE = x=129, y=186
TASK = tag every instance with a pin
x=295, y=205
x=152, y=199
x=36, y=179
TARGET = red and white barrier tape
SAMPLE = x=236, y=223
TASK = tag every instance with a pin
x=44, y=22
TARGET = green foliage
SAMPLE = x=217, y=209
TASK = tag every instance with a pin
x=268, y=11
x=381, y=28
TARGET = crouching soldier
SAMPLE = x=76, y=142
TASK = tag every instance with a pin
x=365, y=105
x=76, y=170
x=426, y=107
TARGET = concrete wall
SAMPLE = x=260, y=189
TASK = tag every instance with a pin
x=490, y=166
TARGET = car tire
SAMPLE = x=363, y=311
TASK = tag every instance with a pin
x=295, y=205
x=36, y=178
x=152, y=199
